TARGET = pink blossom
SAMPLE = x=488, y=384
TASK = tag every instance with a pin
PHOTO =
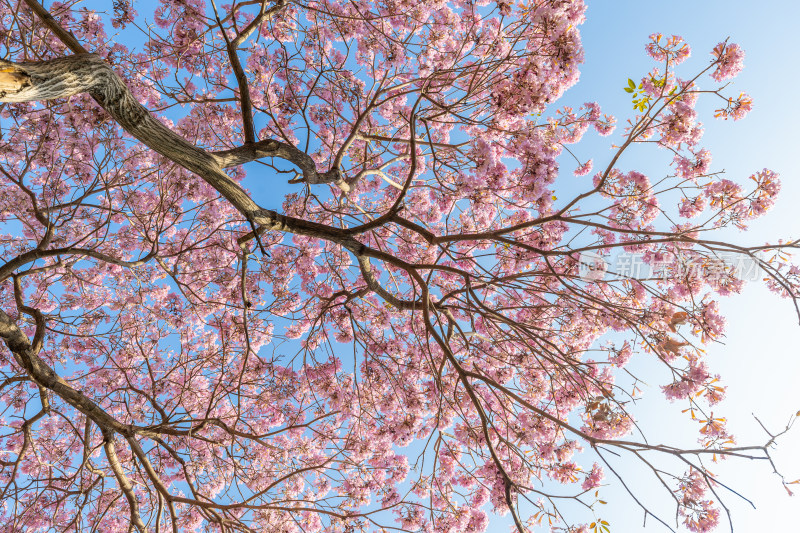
x=699, y=515
x=737, y=108
x=729, y=59
x=594, y=478
x=605, y=126
x=583, y=169
x=692, y=207
x=672, y=48
x=692, y=168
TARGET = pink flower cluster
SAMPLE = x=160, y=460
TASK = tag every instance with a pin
x=583, y=169
x=593, y=479
x=737, y=108
x=680, y=126
x=729, y=59
x=691, y=207
x=699, y=514
x=692, y=168
x=673, y=49
x=690, y=382
x=768, y=185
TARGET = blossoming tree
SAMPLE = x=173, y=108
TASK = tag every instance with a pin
x=413, y=340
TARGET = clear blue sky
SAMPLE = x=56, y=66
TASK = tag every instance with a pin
x=760, y=360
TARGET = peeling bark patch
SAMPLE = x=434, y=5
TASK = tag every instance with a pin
x=13, y=80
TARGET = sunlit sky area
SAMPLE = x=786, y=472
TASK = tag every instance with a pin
x=760, y=357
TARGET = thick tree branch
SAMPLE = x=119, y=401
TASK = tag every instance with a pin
x=245, y=102
x=124, y=483
x=272, y=148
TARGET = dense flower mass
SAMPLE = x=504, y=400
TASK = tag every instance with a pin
x=729, y=61
x=699, y=514
x=323, y=266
